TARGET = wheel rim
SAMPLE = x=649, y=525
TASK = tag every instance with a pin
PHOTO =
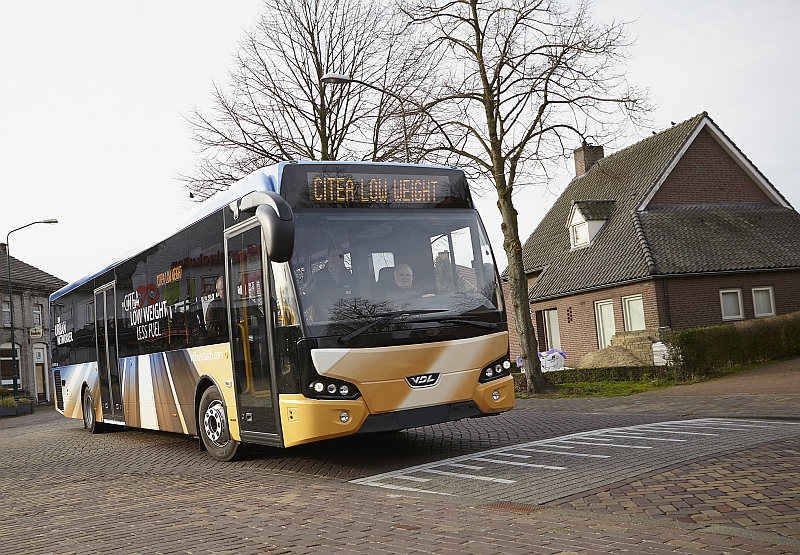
x=88, y=415
x=214, y=423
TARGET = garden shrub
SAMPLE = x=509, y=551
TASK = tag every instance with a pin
x=702, y=351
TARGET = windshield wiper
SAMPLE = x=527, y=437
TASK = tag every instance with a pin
x=455, y=320
x=383, y=317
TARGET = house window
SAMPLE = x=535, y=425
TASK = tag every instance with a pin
x=37, y=315
x=6, y=314
x=551, y=329
x=633, y=312
x=604, y=316
x=578, y=230
x=731, y=301
x=6, y=368
x=763, y=301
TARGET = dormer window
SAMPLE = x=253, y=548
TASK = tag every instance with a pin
x=586, y=219
x=578, y=230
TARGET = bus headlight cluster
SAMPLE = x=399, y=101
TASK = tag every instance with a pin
x=497, y=369
x=332, y=389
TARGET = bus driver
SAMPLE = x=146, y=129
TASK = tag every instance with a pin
x=329, y=284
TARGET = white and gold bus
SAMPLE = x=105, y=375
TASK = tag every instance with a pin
x=311, y=300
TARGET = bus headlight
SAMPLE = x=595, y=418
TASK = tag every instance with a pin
x=329, y=388
x=497, y=369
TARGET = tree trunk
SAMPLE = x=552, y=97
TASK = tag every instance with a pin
x=518, y=283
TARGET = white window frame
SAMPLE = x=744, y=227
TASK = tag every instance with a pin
x=9, y=381
x=771, y=301
x=6, y=305
x=578, y=222
x=740, y=316
x=601, y=332
x=38, y=314
x=553, y=335
x=626, y=312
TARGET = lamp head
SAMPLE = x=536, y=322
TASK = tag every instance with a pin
x=336, y=79
x=49, y=221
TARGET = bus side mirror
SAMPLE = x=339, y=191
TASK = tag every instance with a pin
x=277, y=219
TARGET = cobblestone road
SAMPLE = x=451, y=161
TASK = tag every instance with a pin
x=65, y=491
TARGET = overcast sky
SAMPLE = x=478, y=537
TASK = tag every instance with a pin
x=93, y=94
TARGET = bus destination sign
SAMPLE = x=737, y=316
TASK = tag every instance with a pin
x=371, y=189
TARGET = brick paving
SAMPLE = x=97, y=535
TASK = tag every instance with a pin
x=754, y=489
x=65, y=491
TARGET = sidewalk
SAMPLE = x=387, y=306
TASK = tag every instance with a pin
x=771, y=391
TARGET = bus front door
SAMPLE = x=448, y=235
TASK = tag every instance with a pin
x=247, y=295
x=105, y=325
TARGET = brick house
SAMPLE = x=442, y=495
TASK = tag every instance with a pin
x=32, y=288
x=679, y=230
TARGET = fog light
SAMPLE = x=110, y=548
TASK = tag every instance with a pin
x=506, y=364
x=318, y=387
x=496, y=395
x=489, y=372
x=344, y=390
x=331, y=388
x=344, y=417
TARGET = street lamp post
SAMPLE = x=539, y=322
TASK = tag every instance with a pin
x=339, y=79
x=11, y=302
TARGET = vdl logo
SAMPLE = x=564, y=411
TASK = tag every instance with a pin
x=423, y=380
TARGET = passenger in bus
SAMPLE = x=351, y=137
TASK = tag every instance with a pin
x=404, y=285
x=329, y=284
x=217, y=313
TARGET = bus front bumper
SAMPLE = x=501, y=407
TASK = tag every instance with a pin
x=305, y=420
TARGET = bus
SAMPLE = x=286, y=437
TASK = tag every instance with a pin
x=309, y=301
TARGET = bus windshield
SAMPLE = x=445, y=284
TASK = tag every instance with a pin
x=379, y=270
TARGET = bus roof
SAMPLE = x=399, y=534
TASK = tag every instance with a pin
x=264, y=179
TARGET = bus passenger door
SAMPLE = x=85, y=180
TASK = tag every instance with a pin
x=105, y=325
x=252, y=366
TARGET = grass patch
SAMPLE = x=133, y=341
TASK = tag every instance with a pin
x=622, y=388
x=605, y=388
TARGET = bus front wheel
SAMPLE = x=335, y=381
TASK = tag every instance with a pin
x=89, y=417
x=214, y=430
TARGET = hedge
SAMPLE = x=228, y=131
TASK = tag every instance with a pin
x=702, y=351
x=615, y=374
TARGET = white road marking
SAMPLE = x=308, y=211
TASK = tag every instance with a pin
x=515, y=463
x=660, y=431
x=726, y=428
x=403, y=488
x=525, y=482
x=467, y=466
x=563, y=453
x=469, y=476
x=644, y=437
x=605, y=444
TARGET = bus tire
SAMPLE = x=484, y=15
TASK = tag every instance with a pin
x=212, y=420
x=89, y=417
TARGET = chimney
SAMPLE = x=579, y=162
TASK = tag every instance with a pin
x=3, y=249
x=586, y=156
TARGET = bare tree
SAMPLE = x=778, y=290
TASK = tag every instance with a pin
x=276, y=107
x=522, y=80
